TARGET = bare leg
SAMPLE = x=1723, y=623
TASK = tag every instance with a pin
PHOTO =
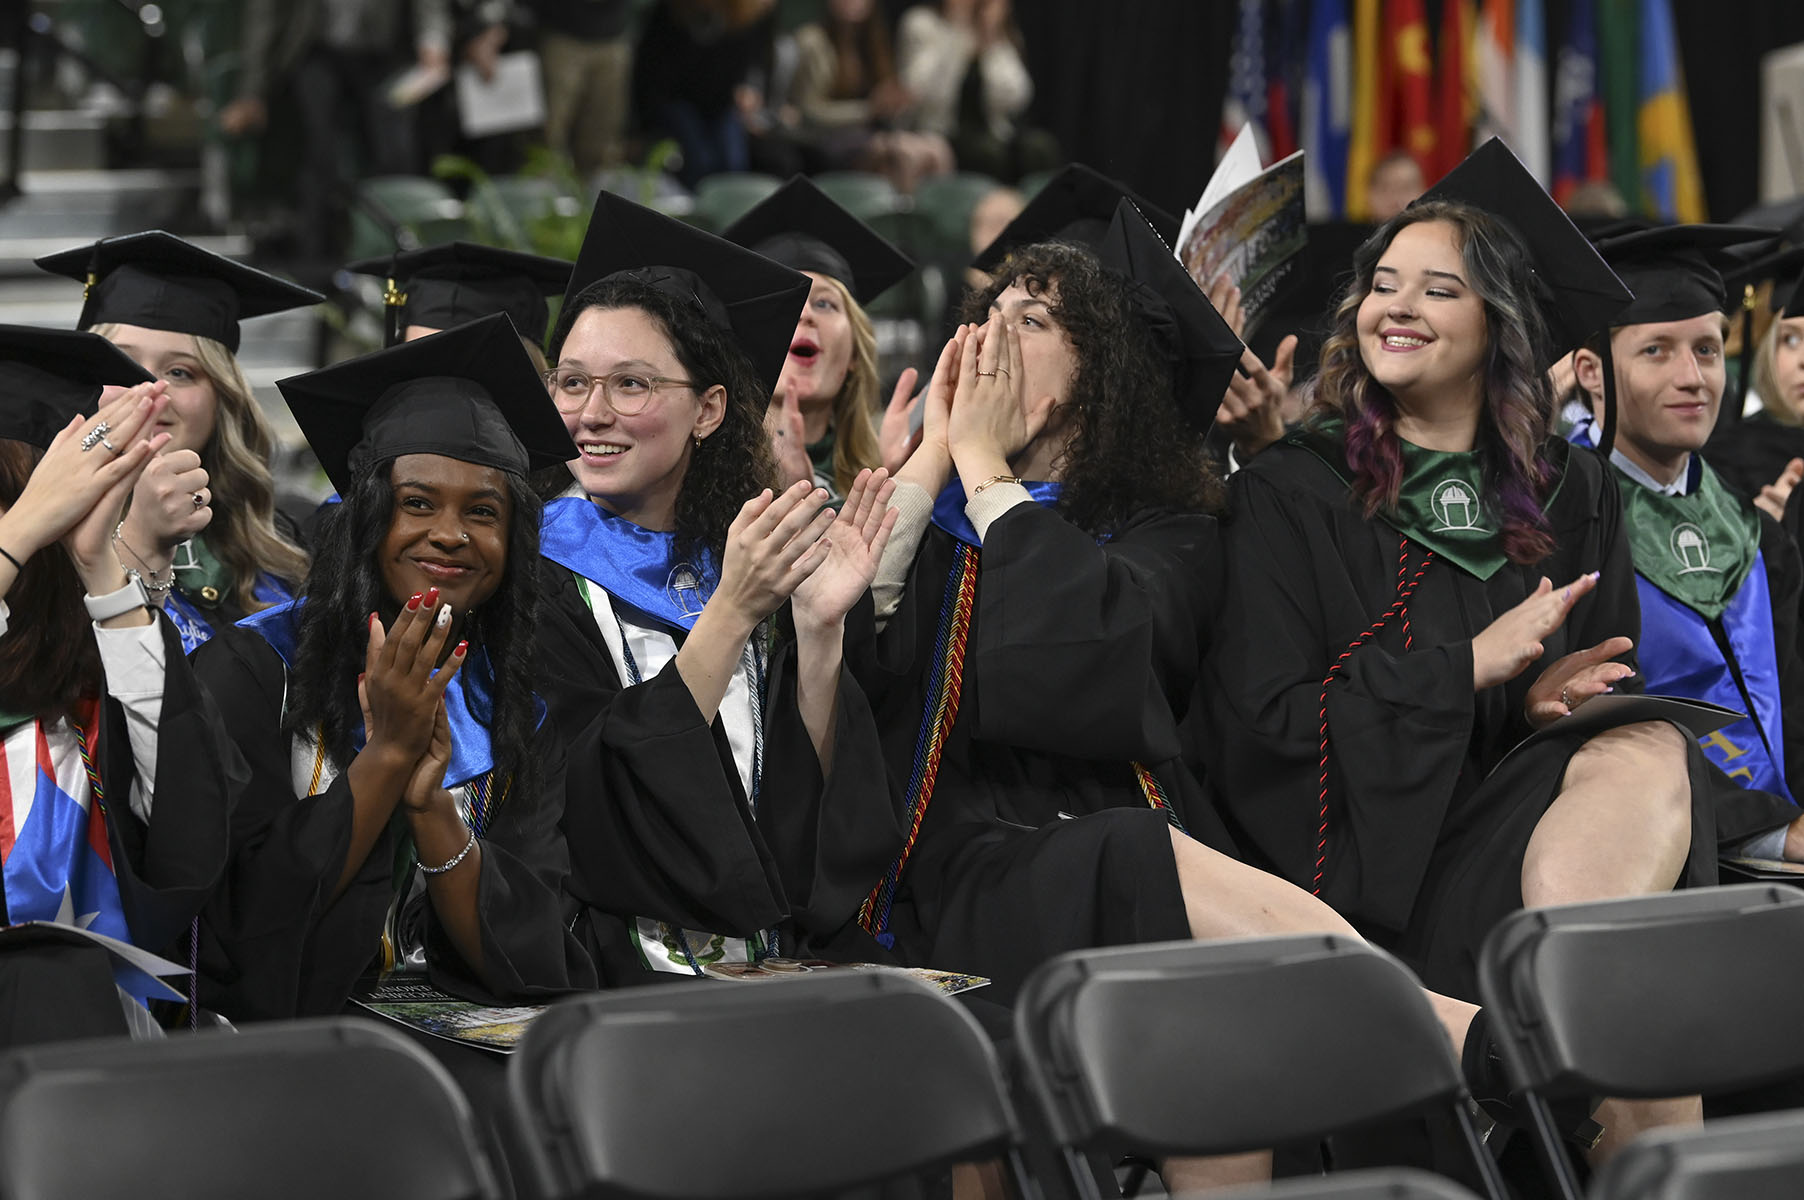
x=979, y=1181
x=1226, y=898
x=1621, y=826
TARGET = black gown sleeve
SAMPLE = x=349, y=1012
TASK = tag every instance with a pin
x=1785, y=587
x=1087, y=650
x=276, y=944
x=524, y=910
x=831, y=836
x=167, y=867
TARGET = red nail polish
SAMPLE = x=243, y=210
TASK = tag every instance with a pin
x=360, y=678
x=414, y=601
x=432, y=597
x=462, y=648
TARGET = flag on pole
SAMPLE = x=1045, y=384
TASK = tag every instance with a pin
x=1494, y=48
x=1369, y=87
x=1245, y=102
x=1619, y=24
x=1457, y=90
x=1530, y=119
x=1671, y=185
x=1412, y=83
x=1283, y=64
x=1327, y=109
x=1580, y=151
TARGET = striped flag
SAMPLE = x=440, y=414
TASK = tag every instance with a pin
x=1494, y=49
x=1327, y=109
x=1530, y=119
x=1671, y=185
x=1245, y=102
x=1580, y=152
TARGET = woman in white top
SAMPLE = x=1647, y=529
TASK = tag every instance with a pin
x=734, y=808
x=96, y=704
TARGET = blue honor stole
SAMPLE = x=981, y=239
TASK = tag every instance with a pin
x=637, y=567
x=1680, y=657
x=949, y=508
x=195, y=624
x=469, y=699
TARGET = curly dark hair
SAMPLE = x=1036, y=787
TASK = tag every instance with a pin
x=733, y=463
x=1518, y=400
x=1129, y=449
x=344, y=586
x=49, y=670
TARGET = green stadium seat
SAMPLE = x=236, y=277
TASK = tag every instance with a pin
x=425, y=207
x=722, y=199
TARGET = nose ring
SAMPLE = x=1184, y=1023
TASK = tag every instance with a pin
x=464, y=536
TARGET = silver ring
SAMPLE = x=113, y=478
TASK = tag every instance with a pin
x=1566, y=699
x=96, y=436
x=199, y=501
x=111, y=449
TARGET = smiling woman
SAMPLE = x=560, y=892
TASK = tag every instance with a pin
x=388, y=714
x=202, y=525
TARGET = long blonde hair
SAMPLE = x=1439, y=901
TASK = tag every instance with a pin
x=243, y=533
x=855, y=444
x=1766, y=377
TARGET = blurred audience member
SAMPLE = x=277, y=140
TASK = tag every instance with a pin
x=1396, y=179
x=853, y=107
x=587, y=59
x=989, y=217
x=694, y=62
x=338, y=61
x=962, y=61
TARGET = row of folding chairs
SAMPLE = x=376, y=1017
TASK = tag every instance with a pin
x=818, y=1085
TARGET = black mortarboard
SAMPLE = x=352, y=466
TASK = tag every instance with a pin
x=469, y=393
x=1675, y=271
x=741, y=292
x=805, y=229
x=1786, y=270
x=48, y=376
x=1787, y=216
x=1204, y=351
x=1584, y=293
x=156, y=280
x=454, y=284
x=1076, y=205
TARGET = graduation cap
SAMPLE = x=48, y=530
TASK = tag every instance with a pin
x=453, y=284
x=1076, y=205
x=49, y=375
x=805, y=229
x=1787, y=216
x=739, y=291
x=1584, y=294
x=159, y=281
x=1203, y=350
x=1786, y=270
x=1676, y=273
x=469, y=393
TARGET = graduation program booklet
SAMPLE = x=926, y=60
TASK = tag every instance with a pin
x=1250, y=225
x=138, y=969
x=949, y=982
x=412, y=1001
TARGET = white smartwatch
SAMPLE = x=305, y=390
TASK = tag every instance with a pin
x=117, y=604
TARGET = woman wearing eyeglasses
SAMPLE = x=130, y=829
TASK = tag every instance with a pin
x=694, y=618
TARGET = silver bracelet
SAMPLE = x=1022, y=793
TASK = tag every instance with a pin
x=468, y=846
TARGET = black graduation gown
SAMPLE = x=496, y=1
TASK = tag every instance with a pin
x=274, y=942
x=1080, y=662
x=1750, y=453
x=1428, y=820
x=658, y=822
x=166, y=867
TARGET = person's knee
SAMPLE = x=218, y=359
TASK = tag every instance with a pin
x=1647, y=753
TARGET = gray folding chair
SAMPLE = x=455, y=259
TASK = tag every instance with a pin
x=341, y=1108
x=1654, y=996
x=1738, y=1158
x=794, y=1087
x=1393, y=1184
x=1199, y=1048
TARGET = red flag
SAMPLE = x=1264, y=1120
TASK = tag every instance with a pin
x=1457, y=91
x=1412, y=83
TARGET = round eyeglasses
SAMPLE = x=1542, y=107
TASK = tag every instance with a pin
x=627, y=392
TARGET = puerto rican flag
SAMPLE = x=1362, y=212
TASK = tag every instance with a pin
x=55, y=859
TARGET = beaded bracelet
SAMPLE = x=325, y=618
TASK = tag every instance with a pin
x=468, y=846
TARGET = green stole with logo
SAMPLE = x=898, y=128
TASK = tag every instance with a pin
x=1696, y=548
